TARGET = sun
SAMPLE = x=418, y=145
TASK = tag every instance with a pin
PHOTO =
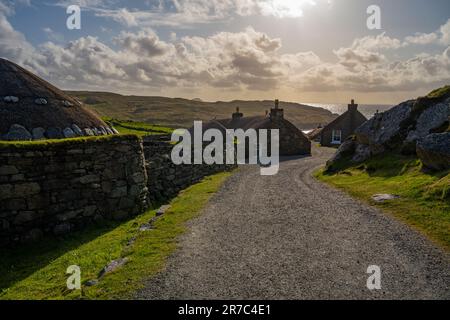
x=285, y=8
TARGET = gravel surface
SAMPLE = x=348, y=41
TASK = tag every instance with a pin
x=291, y=237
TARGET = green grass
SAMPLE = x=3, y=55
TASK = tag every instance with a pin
x=138, y=128
x=45, y=144
x=439, y=93
x=424, y=201
x=181, y=113
x=38, y=271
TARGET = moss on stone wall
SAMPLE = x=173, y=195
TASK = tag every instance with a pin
x=62, y=143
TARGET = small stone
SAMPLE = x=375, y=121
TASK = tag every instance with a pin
x=23, y=217
x=91, y=283
x=67, y=103
x=27, y=189
x=18, y=133
x=11, y=99
x=89, y=211
x=8, y=170
x=62, y=229
x=41, y=101
x=77, y=130
x=119, y=192
x=88, y=132
x=146, y=227
x=34, y=235
x=110, y=132
x=384, y=197
x=54, y=133
x=162, y=210
x=89, y=179
x=112, y=266
x=103, y=131
x=68, y=133
x=38, y=134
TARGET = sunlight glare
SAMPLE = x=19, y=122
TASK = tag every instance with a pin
x=285, y=8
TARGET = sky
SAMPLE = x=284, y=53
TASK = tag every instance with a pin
x=295, y=50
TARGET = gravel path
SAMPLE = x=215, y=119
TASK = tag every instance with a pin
x=291, y=237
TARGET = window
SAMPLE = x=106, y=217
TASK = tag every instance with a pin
x=336, y=137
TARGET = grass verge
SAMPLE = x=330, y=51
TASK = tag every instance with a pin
x=39, y=271
x=424, y=201
x=138, y=128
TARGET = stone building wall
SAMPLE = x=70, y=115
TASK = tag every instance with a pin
x=165, y=179
x=57, y=187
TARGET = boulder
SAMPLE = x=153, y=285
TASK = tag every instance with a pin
x=362, y=153
x=18, y=133
x=384, y=127
x=434, y=151
x=432, y=118
x=346, y=149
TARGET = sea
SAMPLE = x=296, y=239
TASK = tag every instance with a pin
x=368, y=110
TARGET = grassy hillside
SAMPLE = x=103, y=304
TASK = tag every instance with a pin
x=176, y=112
x=137, y=128
x=424, y=199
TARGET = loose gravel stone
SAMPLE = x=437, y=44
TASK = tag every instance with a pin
x=291, y=237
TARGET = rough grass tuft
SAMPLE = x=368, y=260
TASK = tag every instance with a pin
x=424, y=197
x=439, y=93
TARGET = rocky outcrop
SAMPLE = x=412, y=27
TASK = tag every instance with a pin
x=431, y=119
x=401, y=128
x=434, y=151
x=379, y=131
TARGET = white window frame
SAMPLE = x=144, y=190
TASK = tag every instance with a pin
x=336, y=134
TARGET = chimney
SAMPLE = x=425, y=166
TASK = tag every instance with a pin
x=353, y=107
x=276, y=113
x=237, y=114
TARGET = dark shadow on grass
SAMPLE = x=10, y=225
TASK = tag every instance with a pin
x=19, y=262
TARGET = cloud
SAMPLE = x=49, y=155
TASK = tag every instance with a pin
x=249, y=60
x=144, y=42
x=422, y=38
x=187, y=13
x=13, y=44
x=441, y=37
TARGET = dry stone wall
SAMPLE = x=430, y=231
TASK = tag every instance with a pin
x=64, y=186
x=57, y=187
x=167, y=179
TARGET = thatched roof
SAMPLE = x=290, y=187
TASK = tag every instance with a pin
x=29, y=102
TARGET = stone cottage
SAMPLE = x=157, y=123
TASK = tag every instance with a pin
x=33, y=109
x=336, y=132
x=292, y=140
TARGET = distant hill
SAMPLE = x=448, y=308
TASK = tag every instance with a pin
x=178, y=112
